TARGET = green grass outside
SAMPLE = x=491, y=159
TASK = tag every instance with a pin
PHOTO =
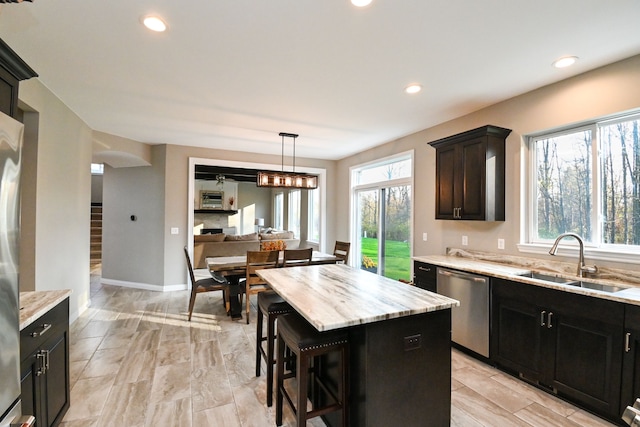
x=398, y=257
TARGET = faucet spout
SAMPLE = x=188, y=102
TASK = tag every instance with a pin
x=582, y=268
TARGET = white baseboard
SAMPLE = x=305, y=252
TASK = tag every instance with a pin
x=145, y=286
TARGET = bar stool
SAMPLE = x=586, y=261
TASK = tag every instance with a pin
x=307, y=343
x=271, y=306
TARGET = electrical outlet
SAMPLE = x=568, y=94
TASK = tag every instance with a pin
x=412, y=342
x=175, y=230
x=500, y=243
x=424, y=237
x=465, y=241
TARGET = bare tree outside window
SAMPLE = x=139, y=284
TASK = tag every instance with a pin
x=567, y=173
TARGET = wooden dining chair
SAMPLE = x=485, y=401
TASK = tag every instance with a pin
x=271, y=305
x=257, y=260
x=295, y=257
x=341, y=251
x=204, y=285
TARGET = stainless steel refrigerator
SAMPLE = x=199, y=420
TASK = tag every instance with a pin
x=10, y=151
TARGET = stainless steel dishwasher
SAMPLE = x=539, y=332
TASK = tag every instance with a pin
x=469, y=321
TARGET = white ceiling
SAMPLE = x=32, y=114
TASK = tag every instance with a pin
x=232, y=74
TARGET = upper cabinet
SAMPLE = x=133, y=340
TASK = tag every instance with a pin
x=470, y=174
x=12, y=70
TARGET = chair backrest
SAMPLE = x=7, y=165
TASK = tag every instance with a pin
x=341, y=251
x=294, y=257
x=191, y=275
x=257, y=260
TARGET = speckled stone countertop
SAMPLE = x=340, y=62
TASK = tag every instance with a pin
x=513, y=267
x=35, y=304
x=336, y=296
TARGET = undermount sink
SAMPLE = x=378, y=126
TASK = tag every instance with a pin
x=548, y=277
x=574, y=282
x=600, y=286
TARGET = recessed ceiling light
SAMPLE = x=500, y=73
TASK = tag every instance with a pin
x=360, y=3
x=154, y=23
x=413, y=88
x=565, y=61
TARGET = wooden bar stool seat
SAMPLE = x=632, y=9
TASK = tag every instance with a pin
x=270, y=305
x=307, y=344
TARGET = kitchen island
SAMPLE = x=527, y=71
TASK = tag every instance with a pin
x=400, y=340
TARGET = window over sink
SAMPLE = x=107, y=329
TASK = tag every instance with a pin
x=586, y=179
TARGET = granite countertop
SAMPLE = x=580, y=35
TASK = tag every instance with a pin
x=35, y=304
x=336, y=296
x=512, y=268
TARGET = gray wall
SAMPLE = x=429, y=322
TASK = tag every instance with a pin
x=133, y=251
x=59, y=200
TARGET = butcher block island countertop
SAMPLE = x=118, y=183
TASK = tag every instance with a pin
x=399, y=341
x=337, y=296
x=34, y=304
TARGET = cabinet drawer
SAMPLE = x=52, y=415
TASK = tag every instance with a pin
x=424, y=271
x=51, y=323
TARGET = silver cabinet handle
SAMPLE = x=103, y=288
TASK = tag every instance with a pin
x=627, y=342
x=46, y=360
x=549, y=325
x=45, y=328
x=424, y=269
x=40, y=357
x=542, y=318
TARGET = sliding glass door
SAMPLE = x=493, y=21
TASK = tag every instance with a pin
x=381, y=226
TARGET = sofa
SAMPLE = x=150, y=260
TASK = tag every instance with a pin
x=218, y=245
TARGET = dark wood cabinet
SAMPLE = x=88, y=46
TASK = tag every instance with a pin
x=631, y=360
x=424, y=276
x=470, y=171
x=566, y=343
x=44, y=367
x=12, y=70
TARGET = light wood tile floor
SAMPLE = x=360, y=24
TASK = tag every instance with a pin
x=135, y=360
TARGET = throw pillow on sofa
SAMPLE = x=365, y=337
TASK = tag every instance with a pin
x=277, y=236
x=243, y=237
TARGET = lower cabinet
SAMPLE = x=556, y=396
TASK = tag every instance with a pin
x=44, y=367
x=424, y=276
x=570, y=344
x=631, y=362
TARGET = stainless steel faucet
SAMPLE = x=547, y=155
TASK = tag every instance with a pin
x=582, y=268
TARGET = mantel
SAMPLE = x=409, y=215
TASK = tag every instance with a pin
x=215, y=211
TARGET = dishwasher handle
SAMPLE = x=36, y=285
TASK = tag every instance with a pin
x=461, y=275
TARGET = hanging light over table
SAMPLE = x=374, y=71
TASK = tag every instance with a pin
x=287, y=179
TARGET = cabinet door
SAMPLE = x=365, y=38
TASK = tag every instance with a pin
x=517, y=333
x=424, y=276
x=446, y=170
x=56, y=380
x=630, y=390
x=588, y=356
x=30, y=387
x=472, y=188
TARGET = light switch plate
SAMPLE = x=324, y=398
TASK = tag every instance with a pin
x=424, y=237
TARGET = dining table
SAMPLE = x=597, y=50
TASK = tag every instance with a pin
x=399, y=340
x=234, y=268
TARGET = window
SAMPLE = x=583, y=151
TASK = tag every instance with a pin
x=381, y=216
x=97, y=168
x=586, y=180
x=294, y=213
x=278, y=211
x=313, y=228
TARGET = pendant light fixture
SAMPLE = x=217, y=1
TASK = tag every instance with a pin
x=287, y=179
